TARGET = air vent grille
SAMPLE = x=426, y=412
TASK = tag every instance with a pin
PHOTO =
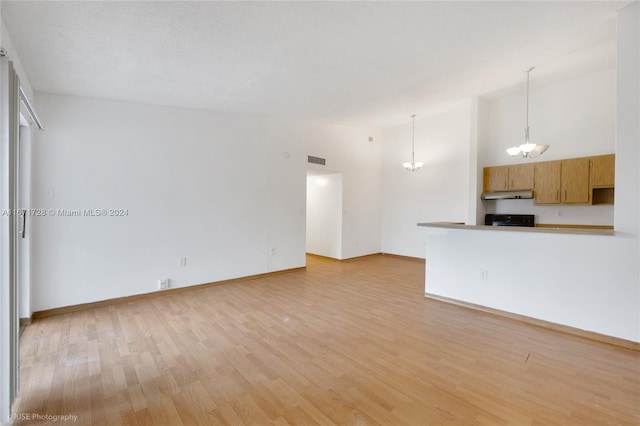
x=317, y=160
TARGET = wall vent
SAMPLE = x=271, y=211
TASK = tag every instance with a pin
x=317, y=160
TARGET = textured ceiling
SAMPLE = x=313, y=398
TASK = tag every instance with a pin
x=360, y=63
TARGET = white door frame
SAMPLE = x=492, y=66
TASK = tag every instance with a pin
x=9, y=316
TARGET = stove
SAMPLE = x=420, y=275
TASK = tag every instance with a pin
x=509, y=220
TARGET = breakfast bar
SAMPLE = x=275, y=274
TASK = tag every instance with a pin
x=548, y=229
x=573, y=277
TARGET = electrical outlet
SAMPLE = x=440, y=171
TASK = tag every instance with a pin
x=183, y=261
x=484, y=274
x=163, y=284
x=273, y=251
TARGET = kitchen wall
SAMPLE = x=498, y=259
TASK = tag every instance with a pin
x=575, y=116
x=574, y=113
x=324, y=215
x=221, y=190
x=437, y=192
x=588, y=282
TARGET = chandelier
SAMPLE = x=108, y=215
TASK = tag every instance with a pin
x=527, y=149
x=413, y=165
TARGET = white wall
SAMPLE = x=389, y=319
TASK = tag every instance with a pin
x=324, y=215
x=438, y=191
x=349, y=151
x=7, y=43
x=584, y=281
x=478, y=149
x=576, y=117
x=627, y=213
x=221, y=190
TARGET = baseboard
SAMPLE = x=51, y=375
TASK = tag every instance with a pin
x=26, y=321
x=332, y=259
x=399, y=256
x=364, y=256
x=591, y=335
x=117, y=300
x=351, y=259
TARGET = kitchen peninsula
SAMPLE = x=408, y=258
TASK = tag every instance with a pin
x=549, y=229
x=550, y=275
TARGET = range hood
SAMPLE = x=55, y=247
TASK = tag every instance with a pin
x=507, y=195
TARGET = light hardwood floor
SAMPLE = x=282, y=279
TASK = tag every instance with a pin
x=341, y=343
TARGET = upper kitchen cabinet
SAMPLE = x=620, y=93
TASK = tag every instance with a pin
x=547, y=182
x=496, y=178
x=575, y=181
x=586, y=180
x=602, y=174
x=521, y=177
x=602, y=178
x=508, y=178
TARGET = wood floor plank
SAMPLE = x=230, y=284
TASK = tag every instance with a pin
x=345, y=343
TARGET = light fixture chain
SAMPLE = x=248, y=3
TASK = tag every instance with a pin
x=413, y=138
x=527, y=149
x=527, y=109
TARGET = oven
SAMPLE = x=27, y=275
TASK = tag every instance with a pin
x=509, y=220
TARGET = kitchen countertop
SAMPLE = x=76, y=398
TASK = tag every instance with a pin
x=575, y=229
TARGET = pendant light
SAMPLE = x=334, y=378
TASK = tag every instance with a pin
x=413, y=165
x=527, y=149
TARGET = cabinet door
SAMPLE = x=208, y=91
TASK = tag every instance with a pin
x=496, y=178
x=521, y=177
x=547, y=182
x=602, y=174
x=575, y=181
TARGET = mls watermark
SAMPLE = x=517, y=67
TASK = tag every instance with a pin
x=66, y=212
x=24, y=417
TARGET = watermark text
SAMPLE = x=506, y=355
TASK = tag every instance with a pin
x=66, y=212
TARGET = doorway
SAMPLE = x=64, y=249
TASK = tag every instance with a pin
x=324, y=214
x=15, y=195
x=24, y=222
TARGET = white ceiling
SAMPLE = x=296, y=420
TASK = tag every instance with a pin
x=360, y=63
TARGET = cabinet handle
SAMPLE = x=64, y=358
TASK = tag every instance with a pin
x=565, y=195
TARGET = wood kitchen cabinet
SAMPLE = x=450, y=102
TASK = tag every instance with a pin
x=546, y=187
x=521, y=177
x=586, y=180
x=496, y=178
x=507, y=178
x=602, y=171
x=575, y=181
x=602, y=178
